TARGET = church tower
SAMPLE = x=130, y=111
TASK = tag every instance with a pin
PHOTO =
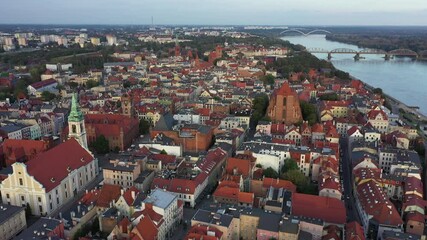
x=127, y=107
x=76, y=123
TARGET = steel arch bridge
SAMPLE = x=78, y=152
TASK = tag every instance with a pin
x=306, y=33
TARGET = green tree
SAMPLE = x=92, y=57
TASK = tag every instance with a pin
x=329, y=97
x=300, y=180
x=289, y=165
x=126, y=84
x=101, y=145
x=308, y=111
x=270, y=172
x=73, y=85
x=163, y=152
x=268, y=79
x=144, y=126
x=91, y=83
x=47, y=96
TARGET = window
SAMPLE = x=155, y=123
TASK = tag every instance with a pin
x=7, y=195
x=74, y=128
x=22, y=198
x=21, y=182
x=40, y=199
x=41, y=209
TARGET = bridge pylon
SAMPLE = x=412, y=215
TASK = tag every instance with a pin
x=329, y=55
x=357, y=57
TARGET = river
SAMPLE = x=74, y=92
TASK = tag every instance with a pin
x=401, y=78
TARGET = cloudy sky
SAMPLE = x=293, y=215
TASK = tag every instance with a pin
x=244, y=12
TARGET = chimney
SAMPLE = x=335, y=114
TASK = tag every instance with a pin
x=78, y=208
x=133, y=194
x=122, y=191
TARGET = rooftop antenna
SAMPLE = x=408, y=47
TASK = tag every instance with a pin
x=152, y=21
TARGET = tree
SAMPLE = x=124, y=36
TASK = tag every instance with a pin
x=308, y=112
x=144, y=126
x=163, y=152
x=126, y=84
x=289, y=165
x=300, y=180
x=270, y=173
x=47, y=96
x=268, y=79
x=73, y=85
x=329, y=97
x=101, y=145
x=91, y=83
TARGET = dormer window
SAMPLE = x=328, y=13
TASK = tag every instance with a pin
x=69, y=169
x=52, y=180
x=82, y=160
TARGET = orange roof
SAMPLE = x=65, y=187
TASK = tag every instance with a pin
x=146, y=229
x=240, y=166
x=108, y=194
x=279, y=183
x=245, y=197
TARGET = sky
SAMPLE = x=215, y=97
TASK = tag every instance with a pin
x=216, y=12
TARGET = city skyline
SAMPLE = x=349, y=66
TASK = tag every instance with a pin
x=237, y=12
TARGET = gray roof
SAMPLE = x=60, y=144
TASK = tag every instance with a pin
x=303, y=235
x=269, y=222
x=8, y=211
x=213, y=218
x=40, y=229
x=399, y=235
x=289, y=226
x=118, y=167
x=165, y=123
x=161, y=198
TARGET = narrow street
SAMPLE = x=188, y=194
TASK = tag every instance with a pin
x=349, y=199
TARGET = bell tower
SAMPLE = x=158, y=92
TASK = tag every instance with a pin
x=126, y=100
x=76, y=123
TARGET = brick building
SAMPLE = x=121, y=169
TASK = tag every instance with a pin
x=193, y=137
x=284, y=106
x=119, y=130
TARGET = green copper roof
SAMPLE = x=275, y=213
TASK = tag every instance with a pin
x=75, y=115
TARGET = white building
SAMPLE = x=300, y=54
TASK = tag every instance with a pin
x=51, y=179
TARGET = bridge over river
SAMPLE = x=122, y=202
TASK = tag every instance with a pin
x=358, y=54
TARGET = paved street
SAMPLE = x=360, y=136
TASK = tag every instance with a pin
x=349, y=199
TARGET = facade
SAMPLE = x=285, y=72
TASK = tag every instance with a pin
x=34, y=183
x=121, y=173
x=12, y=221
x=119, y=130
x=284, y=106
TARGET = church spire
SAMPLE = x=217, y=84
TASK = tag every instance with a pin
x=76, y=123
x=76, y=114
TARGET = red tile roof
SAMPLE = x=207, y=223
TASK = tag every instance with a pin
x=375, y=202
x=330, y=210
x=200, y=232
x=63, y=158
x=354, y=231
x=279, y=183
x=238, y=166
x=127, y=195
x=147, y=229
x=109, y=193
